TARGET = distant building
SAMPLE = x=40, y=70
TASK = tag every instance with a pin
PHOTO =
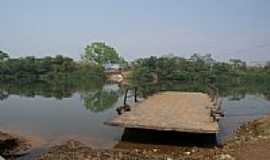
x=111, y=67
x=257, y=64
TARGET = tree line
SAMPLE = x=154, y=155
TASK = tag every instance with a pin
x=197, y=69
x=31, y=69
x=61, y=76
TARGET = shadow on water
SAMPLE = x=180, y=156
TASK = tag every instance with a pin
x=138, y=137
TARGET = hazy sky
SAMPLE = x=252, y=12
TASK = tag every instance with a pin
x=136, y=28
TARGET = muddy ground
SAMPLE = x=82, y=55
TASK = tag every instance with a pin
x=250, y=142
x=12, y=146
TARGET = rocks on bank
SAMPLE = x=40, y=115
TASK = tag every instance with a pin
x=12, y=146
x=74, y=150
x=250, y=142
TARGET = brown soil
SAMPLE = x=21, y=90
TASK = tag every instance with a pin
x=256, y=140
x=258, y=150
x=251, y=142
x=74, y=150
x=12, y=146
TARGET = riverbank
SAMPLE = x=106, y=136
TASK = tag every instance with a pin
x=13, y=146
x=250, y=142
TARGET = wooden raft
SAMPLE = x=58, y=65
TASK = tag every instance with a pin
x=171, y=111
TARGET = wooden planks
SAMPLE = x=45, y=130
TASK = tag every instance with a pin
x=171, y=111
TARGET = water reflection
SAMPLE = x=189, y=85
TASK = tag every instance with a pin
x=54, y=110
x=96, y=97
x=3, y=95
x=100, y=100
x=55, y=89
x=231, y=91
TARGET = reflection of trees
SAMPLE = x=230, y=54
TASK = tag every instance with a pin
x=267, y=95
x=3, y=95
x=232, y=91
x=236, y=93
x=37, y=89
x=237, y=96
x=149, y=89
x=56, y=89
x=100, y=100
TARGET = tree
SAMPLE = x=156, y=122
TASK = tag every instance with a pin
x=100, y=53
x=100, y=100
x=267, y=65
x=205, y=58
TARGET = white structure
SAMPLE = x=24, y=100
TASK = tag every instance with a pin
x=110, y=67
x=257, y=64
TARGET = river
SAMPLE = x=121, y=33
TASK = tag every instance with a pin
x=51, y=115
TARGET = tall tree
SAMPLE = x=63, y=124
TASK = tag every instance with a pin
x=101, y=53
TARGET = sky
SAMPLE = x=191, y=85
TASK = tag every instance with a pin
x=137, y=28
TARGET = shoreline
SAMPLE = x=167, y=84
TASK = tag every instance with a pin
x=13, y=146
x=250, y=142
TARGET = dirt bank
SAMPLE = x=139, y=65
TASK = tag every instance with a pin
x=12, y=146
x=251, y=142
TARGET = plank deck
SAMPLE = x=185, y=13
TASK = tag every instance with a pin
x=171, y=111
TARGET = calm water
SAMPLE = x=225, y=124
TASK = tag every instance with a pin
x=79, y=113
x=51, y=120
x=238, y=112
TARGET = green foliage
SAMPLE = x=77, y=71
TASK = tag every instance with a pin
x=100, y=53
x=100, y=100
x=93, y=94
x=170, y=68
x=60, y=88
x=267, y=66
x=30, y=69
x=197, y=69
x=230, y=89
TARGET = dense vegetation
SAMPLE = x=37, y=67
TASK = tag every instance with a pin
x=234, y=78
x=59, y=68
x=98, y=97
x=199, y=69
x=31, y=69
x=61, y=76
